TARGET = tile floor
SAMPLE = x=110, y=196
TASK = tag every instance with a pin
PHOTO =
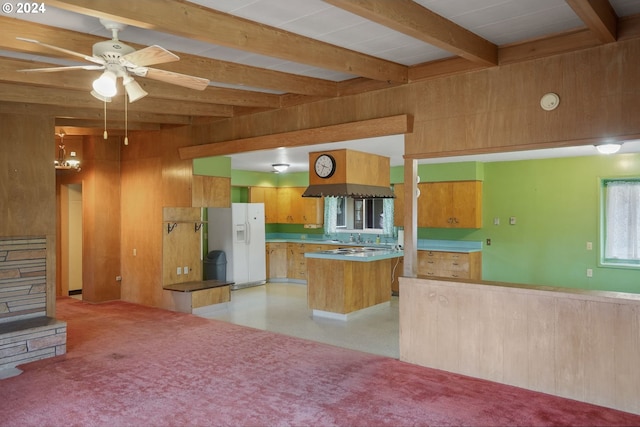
x=282, y=308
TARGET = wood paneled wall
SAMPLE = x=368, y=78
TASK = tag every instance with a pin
x=27, y=186
x=576, y=344
x=497, y=109
x=100, y=179
x=153, y=177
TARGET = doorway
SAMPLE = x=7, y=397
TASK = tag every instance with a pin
x=71, y=240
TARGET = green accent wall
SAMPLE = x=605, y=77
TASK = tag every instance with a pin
x=556, y=204
x=213, y=166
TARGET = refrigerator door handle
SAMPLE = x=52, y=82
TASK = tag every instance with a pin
x=248, y=226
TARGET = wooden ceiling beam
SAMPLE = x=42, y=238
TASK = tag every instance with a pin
x=111, y=124
x=89, y=113
x=212, y=69
x=547, y=46
x=81, y=80
x=410, y=18
x=53, y=96
x=598, y=16
x=193, y=21
x=391, y=125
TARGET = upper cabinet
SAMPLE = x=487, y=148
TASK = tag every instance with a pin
x=454, y=204
x=285, y=205
x=268, y=196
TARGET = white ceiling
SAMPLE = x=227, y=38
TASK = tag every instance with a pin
x=499, y=21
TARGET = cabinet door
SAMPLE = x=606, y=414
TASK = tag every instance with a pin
x=297, y=205
x=313, y=210
x=268, y=196
x=285, y=215
x=277, y=260
x=434, y=204
x=467, y=204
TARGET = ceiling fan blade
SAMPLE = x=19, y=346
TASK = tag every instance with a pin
x=67, y=51
x=191, y=82
x=53, y=69
x=148, y=56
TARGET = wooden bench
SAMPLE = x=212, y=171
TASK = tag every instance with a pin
x=189, y=296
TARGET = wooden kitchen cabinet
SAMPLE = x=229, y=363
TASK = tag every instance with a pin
x=454, y=204
x=285, y=205
x=296, y=264
x=295, y=209
x=276, y=260
x=457, y=265
x=268, y=196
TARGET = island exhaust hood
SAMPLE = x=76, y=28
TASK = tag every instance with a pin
x=348, y=173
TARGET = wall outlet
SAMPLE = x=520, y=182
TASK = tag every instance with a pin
x=589, y=272
x=118, y=278
x=185, y=270
x=179, y=271
x=512, y=220
x=496, y=221
x=589, y=246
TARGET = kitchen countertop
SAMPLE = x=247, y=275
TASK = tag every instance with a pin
x=364, y=254
x=462, y=246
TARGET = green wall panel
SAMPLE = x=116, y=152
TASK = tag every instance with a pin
x=556, y=206
x=213, y=166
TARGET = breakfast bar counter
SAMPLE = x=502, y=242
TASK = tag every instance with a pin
x=345, y=280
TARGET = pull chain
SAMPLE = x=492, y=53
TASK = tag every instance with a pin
x=105, y=135
x=126, y=120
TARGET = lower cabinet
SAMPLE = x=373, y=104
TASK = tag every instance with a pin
x=458, y=265
x=287, y=261
x=276, y=260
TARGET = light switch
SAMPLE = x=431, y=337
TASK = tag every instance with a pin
x=179, y=271
x=589, y=246
x=512, y=220
x=496, y=221
x=185, y=270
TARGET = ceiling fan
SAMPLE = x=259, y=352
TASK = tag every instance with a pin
x=120, y=60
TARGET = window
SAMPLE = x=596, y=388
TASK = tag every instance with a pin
x=360, y=214
x=344, y=214
x=621, y=222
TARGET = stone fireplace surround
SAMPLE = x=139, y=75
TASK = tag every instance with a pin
x=26, y=333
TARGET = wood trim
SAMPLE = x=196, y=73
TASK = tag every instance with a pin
x=213, y=69
x=391, y=125
x=195, y=22
x=547, y=46
x=599, y=17
x=416, y=21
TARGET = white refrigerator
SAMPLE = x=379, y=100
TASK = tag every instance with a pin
x=239, y=231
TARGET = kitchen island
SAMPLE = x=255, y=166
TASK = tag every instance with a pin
x=345, y=280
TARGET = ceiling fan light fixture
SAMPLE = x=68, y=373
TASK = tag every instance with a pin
x=105, y=85
x=280, y=167
x=100, y=97
x=133, y=88
x=609, y=148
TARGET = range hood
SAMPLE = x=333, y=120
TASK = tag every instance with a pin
x=356, y=191
x=348, y=173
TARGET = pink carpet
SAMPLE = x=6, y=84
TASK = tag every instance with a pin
x=129, y=365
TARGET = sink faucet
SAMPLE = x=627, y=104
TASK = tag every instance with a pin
x=359, y=238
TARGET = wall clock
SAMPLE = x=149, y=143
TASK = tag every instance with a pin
x=325, y=165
